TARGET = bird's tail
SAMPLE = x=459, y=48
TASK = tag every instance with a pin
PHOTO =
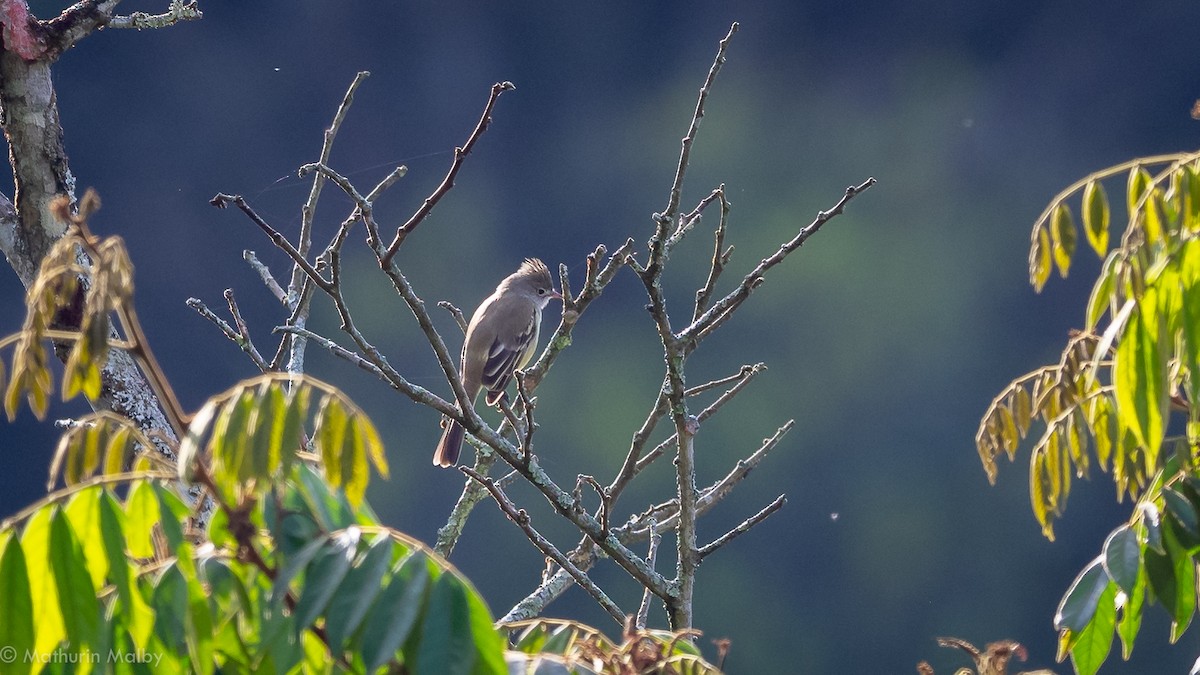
x=448, y=448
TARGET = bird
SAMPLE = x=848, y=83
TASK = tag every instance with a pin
x=501, y=338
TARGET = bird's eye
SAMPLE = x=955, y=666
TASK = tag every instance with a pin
x=541, y=291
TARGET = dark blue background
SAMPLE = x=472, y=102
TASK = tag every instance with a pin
x=886, y=336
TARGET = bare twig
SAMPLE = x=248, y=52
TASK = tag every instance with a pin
x=448, y=182
x=337, y=350
x=742, y=527
x=658, y=242
x=222, y=200
x=264, y=273
x=720, y=259
x=643, y=612
x=473, y=492
x=245, y=343
x=521, y=518
x=714, y=316
x=456, y=313
x=179, y=11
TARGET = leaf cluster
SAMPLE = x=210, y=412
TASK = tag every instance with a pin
x=1109, y=400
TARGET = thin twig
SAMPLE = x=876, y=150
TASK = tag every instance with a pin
x=222, y=200
x=658, y=242
x=723, y=308
x=456, y=313
x=643, y=612
x=742, y=527
x=521, y=518
x=473, y=492
x=336, y=349
x=448, y=182
x=264, y=273
x=720, y=259
x=245, y=343
x=743, y=378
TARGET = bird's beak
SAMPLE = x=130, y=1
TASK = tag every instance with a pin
x=555, y=295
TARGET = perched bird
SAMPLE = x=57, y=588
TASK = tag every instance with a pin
x=501, y=338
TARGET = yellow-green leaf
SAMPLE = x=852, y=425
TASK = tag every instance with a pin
x=1140, y=381
x=83, y=513
x=1103, y=292
x=1139, y=180
x=1062, y=236
x=141, y=515
x=1039, y=260
x=330, y=435
x=35, y=541
x=1096, y=216
x=1153, y=223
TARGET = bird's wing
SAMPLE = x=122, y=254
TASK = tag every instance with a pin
x=505, y=356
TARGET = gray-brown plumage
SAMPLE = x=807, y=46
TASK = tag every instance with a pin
x=501, y=338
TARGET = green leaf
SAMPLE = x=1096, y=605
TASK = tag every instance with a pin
x=35, y=541
x=295, y=564
x=138, y=616
x=1039, y=260
x=330, y=436
x=1140, y=381
x=234, y=438
x=1079, y=605
x=1183, y=511
x=199, y=627
x=1139, y=180
x=293, y=425
x=268, y=429
x=392, y=617
x=362, y=584
x=1095, y=216
x=16, y=610
x=446, y=645
x=83, y=513
x=489, y=643
x=1123, y=557
x=1153, y=220
x=1062, y=237
x=324, y=575
x=170, y=603
x=1102, y=292
x=331, y=507
x=1093, y=643
x=1184, y=569
x=1131, y=614
x=141, y=514
x=76, y=595
x=189, y=448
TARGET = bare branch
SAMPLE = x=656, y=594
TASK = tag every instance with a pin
x=521, y=518
x=448, y=182
x=658, y=242
x=720, y=259
x=456, y=313
x=179, y=11
x=742, y=378
x=264, y=273
x=668, y=511
x=721, y=311
x=222, y=200
x=643, y=612
x=238, y=336
x=742, y=527
x=473, y=492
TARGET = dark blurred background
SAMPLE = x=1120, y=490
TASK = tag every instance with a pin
x=886, y=336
